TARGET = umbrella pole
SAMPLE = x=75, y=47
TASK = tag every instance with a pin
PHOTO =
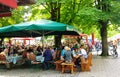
x=43, y=40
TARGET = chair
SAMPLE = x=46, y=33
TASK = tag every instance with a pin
x=85, y=65
x=32, y=58
x=4, y=61
x=90, y=58
x=23, y=60
x=57, y=61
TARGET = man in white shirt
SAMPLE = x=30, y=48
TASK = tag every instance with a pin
x=83, y=51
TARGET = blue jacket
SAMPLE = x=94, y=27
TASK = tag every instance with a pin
x=47, y=55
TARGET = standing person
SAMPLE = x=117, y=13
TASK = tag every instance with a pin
x=98, y=46
x=89, y=45
x=47, y=57
x=115, y=49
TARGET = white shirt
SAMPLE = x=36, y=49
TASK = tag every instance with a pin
x=84, y=53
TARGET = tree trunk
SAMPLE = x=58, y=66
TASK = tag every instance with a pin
x=79, y=39
x=104, y=6
x=103, y=32
x=55, y=16
x=58, y=40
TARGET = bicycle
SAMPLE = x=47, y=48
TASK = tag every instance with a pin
x=114, y=52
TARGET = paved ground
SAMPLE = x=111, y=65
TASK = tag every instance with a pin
x=102, y=67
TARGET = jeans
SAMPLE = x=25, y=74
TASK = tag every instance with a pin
x=46, y=65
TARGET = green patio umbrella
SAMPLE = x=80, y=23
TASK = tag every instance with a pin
x=37, y=28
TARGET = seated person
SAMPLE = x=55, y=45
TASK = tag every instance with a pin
x=29, y=51
x=63, y=52
x=5, y=52
x=47, y=57
x=76, y=55
x=52, y=50
x=68, y=55
x=39, y=49
x=83, y=52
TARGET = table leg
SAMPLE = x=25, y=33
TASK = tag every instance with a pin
x=71, y=68
x=56, y=67
x=62, y=68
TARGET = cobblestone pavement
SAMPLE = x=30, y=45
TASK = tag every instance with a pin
x=102, y=67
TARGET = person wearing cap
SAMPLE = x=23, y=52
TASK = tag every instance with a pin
x=76, y=55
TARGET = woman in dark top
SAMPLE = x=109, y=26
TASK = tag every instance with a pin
x=47, y=58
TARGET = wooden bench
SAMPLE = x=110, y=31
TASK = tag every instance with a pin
x=86, y=63
x=90, y=58
x=67, y=66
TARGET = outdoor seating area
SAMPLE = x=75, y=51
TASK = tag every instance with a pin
x=59, y=38
x=101, y=68
x=62, y=57
x=34, y=55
